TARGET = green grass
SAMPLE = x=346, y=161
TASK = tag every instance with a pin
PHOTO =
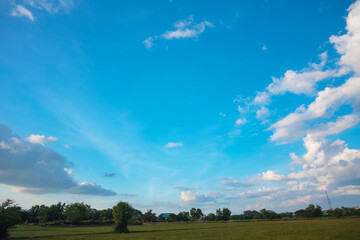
x=295, y=229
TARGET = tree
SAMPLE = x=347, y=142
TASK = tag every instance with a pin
x=123, y=213
x=196, y=214
x=183, y=216
x=106, y=214
x=210, y=217
x=149, y=216
x=77, y=212
x=226, y=214
x=56, y=212
x=223, y=215
x=337, y=213
x=9, y=216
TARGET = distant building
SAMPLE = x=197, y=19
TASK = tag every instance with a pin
x=164, y=215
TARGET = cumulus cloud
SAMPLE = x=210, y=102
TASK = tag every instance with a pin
x=262, y=113
x=40, y=139
x=173, y=144
x=325, y=105
x=327, y=164
x=35, y=168
x=272, y=176
x=187, y=197
x=348, y=45
x=21, y=11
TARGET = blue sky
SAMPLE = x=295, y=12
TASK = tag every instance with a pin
x=175, y=104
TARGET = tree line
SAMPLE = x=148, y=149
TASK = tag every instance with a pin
x=123, y=214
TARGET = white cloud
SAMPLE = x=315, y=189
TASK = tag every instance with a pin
x=195, y=197
x=326, y=103
x=348, y=45
x=186, y=29
x=262, y=113
x=51, y=6
x=34, y=168
x=173, y=144
x=183, y=29
x=148, y=42
x=272, y=176
x=326, y=165
x=262, y=98
x=240, y=121
x=291, y=202
x=222, y=114
x=40, y=139
x=20, y=11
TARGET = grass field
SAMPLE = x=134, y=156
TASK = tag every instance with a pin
x=294, y=229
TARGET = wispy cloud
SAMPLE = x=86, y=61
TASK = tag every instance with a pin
x=21, y=11
x=173, y=144
x=51, y=6
x=109, y=175
x=148, y=42
x=129, y=194
x=185, y=28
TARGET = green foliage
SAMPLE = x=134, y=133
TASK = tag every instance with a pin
x=123, y=213
x=268, y=214
x=182, y=217
x=196, y=214
x=223, y=215
x=337, y=213
x=78, y=212
x=106, y=214
x=210, y=217
x=10, y=215
x=149, y=216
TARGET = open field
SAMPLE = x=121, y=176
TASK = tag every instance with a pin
x=294, y=229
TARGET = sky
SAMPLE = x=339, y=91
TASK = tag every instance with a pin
x=176, y=104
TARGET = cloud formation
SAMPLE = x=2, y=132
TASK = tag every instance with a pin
x=21, y=11
x=327, y=164
x=186, y=29
x=109, y=175
x=37, y=169
x=50, y=6
x=183, y=29
x=33, y=138
x=188, y=197
x=173, y=144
